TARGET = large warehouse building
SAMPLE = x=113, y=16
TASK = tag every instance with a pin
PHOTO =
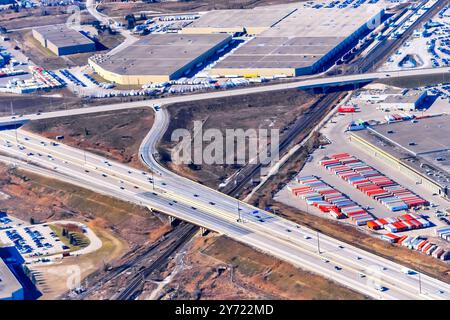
x=158, y=58
x=289, y=39
x=419, y=148
x=254, y=21
x=10, y=287
x=303, y=42
x=410, y=101
x=62, y=40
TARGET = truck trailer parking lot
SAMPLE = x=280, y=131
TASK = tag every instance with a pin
x=336, y=132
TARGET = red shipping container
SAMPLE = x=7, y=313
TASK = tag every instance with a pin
x=346, y=109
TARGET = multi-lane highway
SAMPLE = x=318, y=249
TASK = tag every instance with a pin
x=343, y=263
x=167, y=192
x=205, y=207
x=308, y=83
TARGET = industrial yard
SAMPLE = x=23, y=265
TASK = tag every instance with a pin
x=339, y=185
x=230, y=150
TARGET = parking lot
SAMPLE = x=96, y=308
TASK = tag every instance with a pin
x=43, y=243
x=429, y=44
x=33, y=241
x=7, y=221
x=335, y=131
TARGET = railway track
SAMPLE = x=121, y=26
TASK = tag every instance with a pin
x=186, y=232
x=316, y=112
x=134, y=288
x=364, y=64
x=179, y=231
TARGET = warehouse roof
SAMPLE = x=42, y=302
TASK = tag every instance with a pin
x=160, y=54
x=429, y=153
x=406, y=98
x=422, y=136
x=279, y=52
x=256, y=18
x=300, y=39
x=8, y=282
x=326, y=22
x=62, y=36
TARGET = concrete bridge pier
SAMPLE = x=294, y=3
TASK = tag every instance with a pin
x=173, y=221
x=203, y=231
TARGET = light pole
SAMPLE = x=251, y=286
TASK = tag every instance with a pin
x=239, y=211
x=420, y=284
x=318, y=242
x=153, y=181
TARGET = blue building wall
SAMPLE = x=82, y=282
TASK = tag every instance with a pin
x=15, y=261
x=341, y=48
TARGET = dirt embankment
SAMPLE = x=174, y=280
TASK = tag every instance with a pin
x=121, y=226
x=44, y=199
x=60, y=99
x=267, y=110
x=54, y=100
x=221, y=268
x=26, y=18
x=116, y=135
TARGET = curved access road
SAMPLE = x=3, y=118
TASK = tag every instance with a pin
x=267, y=223
x=341, y=262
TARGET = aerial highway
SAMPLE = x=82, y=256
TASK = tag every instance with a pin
x=310, y=82
x=348, y=265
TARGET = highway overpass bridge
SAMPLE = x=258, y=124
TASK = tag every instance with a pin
x=359, y=80
x=306, y=83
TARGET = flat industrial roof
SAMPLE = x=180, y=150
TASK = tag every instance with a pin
x=260, y=17
x=430, y=149
x=406, y=98
x=8, y=282
x=300, y=39
x=324, y=22
x=420, y=136
x=279, y=52
x=160, y=54
x=62, y=36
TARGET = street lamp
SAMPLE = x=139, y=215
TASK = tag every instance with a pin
x=239, y=212
x=318, y=242
x=420, y=284
x=153, y=181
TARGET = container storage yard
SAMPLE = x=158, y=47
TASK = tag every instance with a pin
x=420, y=244
x=401, y=205
x=370, y=181
x=404, y=222
x=327, y=199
